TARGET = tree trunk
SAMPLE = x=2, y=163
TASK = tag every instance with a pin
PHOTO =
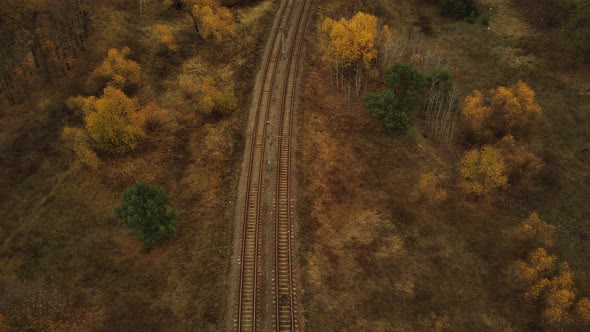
x=195, y=22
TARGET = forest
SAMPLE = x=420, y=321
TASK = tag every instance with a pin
x=442, y=163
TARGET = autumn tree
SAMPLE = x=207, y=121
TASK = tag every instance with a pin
x=522, y=165
x=78, y=141
x=483, y=171
x=210, y=19
x=145, y=209
x=549, y=283
x=112, y=121
x=476, y=114
x=516, y=107
x=117, y=71
x=156, y=117
x=428, y=189
x=350, y=48
x=533, y=231
x=164, y=37
x=501, y=111
x=583, y=310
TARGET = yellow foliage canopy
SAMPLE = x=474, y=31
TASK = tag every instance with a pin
x=522, y=164
x=583, y=310
x=516, y=104
x=509, y=110
x=214, y=20
x=545, y=278
x=113, y=122
x=165, y=36
x=428, y=189
x=483, y=170
x=77, y=140
x=118, y=71
x=535, y=230
x=350, y=41
x=475, y=112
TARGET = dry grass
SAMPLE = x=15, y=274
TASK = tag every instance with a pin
x=377, y=260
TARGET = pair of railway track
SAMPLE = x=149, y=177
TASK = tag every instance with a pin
x=276, y=94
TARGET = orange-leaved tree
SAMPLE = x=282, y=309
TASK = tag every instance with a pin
x=476, y=114
x=77, y=140
x=483, y=170
x=517, y=106
x=505, y=110
x=112, y=121
x=550, y=283
x=164, y=36
x=211, y=20
x=428, y=189
x=522, y=165
x=117, y=71
x=533, y=231
x=583, y=310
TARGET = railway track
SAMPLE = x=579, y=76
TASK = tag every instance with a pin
x=285, y=317
x=274, y=101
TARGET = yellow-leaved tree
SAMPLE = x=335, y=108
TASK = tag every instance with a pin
x=76, y=139
x=428, y=189
x=476, y=114
x=516, y=104
x=583, y=310
x=533, y=231
x=350, y=47
x=164, y=36
x=502, y=111
x=112, y=121
x=483, y=171
x=211, y=20
x=117, y=71
x=522, y=165
x=550, y=283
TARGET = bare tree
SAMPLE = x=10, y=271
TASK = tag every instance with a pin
x=441, y=110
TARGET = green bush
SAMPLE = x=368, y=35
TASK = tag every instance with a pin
x=145, y=210
x=459, y=8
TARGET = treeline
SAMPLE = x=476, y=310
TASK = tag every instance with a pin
x=40, y=40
